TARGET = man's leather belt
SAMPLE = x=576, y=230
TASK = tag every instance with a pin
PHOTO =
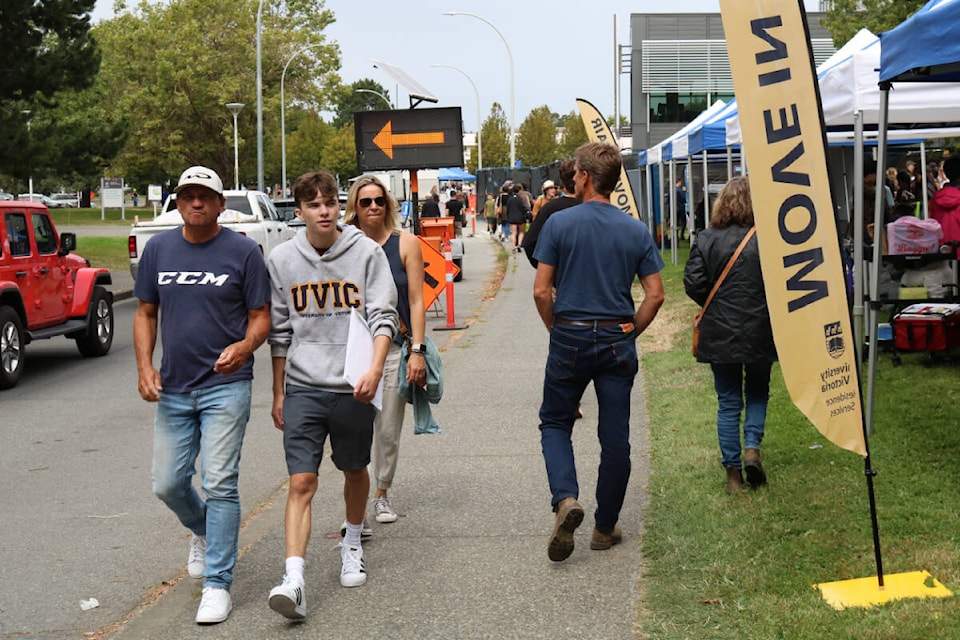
x=589, y=323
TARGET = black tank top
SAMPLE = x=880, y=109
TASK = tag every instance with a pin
x=392, y=248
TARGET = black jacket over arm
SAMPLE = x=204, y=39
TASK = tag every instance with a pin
x=736, y=325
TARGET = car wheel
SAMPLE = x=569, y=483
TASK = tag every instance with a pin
x=12, y=342
x=99, y=336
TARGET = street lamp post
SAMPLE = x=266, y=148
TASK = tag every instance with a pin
x=235, y=109
x=376, y=93
x=27, y=112
x=479, y=116
x=513, y=148
x=259, y=100
x=283, y=123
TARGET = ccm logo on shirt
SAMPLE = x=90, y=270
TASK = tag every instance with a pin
x=198, y=278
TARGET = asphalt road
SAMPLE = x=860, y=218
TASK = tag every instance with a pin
x=467, y=559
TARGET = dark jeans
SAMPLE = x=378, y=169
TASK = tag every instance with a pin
x=577, y=355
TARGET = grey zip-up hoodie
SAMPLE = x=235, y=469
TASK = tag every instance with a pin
x=311, y=298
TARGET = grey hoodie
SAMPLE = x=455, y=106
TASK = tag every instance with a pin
x=311, y=298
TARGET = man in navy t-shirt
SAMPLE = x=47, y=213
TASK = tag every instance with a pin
x=207, y=289
x=591, y=253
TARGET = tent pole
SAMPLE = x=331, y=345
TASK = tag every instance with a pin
x=923, y=175
x=648, y=177
x=858, y=168
x=673, y=210
x=878, y=237
x=706, y=193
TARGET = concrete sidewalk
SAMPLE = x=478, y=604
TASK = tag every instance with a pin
x=467, y=559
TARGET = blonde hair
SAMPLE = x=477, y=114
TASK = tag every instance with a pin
x=391, y=216
x=733, y=205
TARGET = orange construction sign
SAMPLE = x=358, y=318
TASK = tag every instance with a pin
x=434, y=272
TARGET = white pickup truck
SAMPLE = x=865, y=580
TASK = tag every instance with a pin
x=248, y=212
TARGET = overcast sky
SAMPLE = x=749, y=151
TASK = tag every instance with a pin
x=562, y=50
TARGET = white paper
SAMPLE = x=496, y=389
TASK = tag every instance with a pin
x=359, y=356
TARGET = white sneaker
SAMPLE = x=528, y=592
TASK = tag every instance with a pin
x=384, y=511
x=365, y=533
x=289, y=599
x=215, y=606
x=197, y=560
x=352, y=571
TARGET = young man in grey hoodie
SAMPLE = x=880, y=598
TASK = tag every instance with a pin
x=316, y=279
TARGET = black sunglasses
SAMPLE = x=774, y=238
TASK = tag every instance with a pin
x=366, y=202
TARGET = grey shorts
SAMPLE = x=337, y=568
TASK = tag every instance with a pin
x=309, y=415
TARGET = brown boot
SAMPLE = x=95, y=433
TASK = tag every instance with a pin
x=601, y=541
x=754, y=470
x=569, y=517
x=734, y=480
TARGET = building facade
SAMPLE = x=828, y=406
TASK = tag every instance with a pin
x=679, y=66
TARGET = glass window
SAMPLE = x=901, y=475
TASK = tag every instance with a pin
x=17, y=234
x=43, y=230
x=681, y=107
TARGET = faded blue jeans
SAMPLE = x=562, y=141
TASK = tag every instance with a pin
x=608, y=357
x=738, y=385
x=209, y=423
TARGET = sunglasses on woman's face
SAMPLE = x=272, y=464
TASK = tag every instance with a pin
x=366, y=202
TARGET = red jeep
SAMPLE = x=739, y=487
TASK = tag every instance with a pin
x=45, y=290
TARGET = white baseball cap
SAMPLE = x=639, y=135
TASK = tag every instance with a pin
x=200, y=176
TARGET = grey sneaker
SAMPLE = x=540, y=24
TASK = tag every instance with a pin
x=197, y=560
x=384, y=511
x=365, y=533
x=289, y=600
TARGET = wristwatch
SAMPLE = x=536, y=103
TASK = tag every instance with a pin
x=418, y=347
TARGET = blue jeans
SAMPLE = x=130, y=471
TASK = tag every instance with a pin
x=735, y=383
x=577, y=355
x=210, y=423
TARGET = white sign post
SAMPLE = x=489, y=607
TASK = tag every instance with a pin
x=111, y=196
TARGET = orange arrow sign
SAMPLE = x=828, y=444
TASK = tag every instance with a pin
x=434, y=272
x=386, y=139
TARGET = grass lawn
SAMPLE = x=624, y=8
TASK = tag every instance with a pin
x=90, y=217
x=104, y=251
x=744, y=566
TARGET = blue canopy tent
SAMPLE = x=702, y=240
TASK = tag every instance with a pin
x=455, y=174
x=903, y=60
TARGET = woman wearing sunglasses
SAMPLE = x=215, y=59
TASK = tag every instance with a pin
x=371, y=208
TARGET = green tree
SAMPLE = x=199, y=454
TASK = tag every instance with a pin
x=340, y=154
x=307, y=136
x=845, y=17
x=171, y=74
x=46, y=47
x=574, y=134
x=537, y=138
x=348, y=100
x=495, y=132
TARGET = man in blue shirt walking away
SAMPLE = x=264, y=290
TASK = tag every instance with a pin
x=590, y=255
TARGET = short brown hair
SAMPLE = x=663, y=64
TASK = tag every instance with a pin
x=733, y=206
x=307, y=186
x=602, y=162
x=568, y=169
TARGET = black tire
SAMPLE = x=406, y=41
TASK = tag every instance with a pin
x=12, y=342
x=98, y=338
